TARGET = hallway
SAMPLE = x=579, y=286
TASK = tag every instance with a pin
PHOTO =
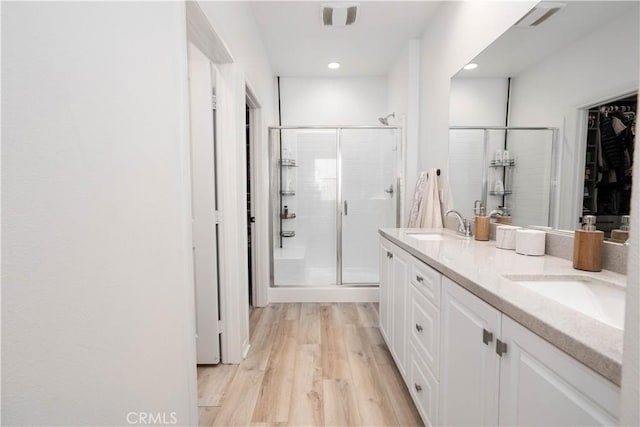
x=309, y=364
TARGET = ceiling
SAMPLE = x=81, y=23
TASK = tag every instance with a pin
x=520, y=48
x=298, y=45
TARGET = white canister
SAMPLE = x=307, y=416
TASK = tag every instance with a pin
x=506, y=236
x=530, y=242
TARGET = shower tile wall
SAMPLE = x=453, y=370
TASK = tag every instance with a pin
x=314, y=203
x=532, y=176
x=466, y=151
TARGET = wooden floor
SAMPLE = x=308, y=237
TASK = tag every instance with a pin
x=309, y=365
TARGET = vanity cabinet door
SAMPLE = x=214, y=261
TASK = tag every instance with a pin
x=386, y=277
x=469, y=367
x=541, y=385
x=398, y=310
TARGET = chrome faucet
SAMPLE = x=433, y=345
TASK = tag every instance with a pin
x=464, y=225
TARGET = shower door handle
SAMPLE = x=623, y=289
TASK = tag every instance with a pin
x=346, y=208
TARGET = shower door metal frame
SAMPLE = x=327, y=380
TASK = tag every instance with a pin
x=399, y=161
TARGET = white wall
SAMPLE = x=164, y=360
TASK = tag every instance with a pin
x=403, y=98
x=97, y=294
x=457, y=32
x=478, y=102
x=333, y=101
x=602, y=65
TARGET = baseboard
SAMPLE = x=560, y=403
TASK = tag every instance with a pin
x=329, y=294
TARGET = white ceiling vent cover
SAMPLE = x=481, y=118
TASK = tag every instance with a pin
x=536, y=16
x=339, y=14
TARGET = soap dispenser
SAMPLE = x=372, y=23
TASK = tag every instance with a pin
x=621, y=234
x=587, y=246
x=482, y=221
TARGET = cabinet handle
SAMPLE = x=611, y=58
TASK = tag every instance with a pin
x=501, y=347
x=418, y=387
x=419, y=327
x=420, y=279
x=487, y=336
x=389, y=254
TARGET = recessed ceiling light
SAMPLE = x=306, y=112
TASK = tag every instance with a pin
x=334, y=65
x=471, y=66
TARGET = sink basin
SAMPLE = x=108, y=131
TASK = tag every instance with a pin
x=431, y=235
x=603, y=301
x=426, y=236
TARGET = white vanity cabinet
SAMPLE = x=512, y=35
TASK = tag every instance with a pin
x=466, y=363
x=394, y=271
x=495, y=371
x=386, y=279
x=470, y=367
x=410, y=323
x=543, y=386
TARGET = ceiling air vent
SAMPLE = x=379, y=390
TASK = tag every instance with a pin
x=539, y=14
x=339, y=14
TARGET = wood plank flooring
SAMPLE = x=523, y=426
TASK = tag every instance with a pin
x=309, y=365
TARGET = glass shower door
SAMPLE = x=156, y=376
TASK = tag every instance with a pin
x=368, y=176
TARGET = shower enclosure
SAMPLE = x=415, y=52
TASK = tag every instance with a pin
x=331, y=188
x=521, y=183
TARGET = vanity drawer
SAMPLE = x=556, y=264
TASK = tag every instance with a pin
x=427, y=280
x=425, y=328
x=424, y=389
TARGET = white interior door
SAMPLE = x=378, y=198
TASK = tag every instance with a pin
x=203, y=187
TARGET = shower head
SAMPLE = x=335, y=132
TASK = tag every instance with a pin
x=385, y=120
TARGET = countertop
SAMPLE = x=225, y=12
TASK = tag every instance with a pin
x=479, y=267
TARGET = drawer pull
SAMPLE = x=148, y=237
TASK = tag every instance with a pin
x=419, y=327
x=418, y=387
x=487, y=336
x=420, y=279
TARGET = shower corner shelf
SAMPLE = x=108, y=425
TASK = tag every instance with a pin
x=287, y=234
x=288, y=163
x=288, y=216
x=288, y=193
x=500, y=193
x=502, y=163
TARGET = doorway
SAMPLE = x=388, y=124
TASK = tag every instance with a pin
x=608, y=167
x=250, y=218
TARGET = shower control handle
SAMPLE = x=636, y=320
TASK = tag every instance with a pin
x=346, y=208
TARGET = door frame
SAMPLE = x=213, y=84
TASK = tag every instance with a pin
x=260, y=200
x=234, y=312
x=582, y=117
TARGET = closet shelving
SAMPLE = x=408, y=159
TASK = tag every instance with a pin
x=608, y=165
x=590, y=167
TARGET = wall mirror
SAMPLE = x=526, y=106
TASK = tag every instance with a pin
x=558, y=92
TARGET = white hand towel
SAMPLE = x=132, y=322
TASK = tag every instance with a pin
x=418, y=193
x=430, y=212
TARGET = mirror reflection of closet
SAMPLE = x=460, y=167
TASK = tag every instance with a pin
x=608, y=170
